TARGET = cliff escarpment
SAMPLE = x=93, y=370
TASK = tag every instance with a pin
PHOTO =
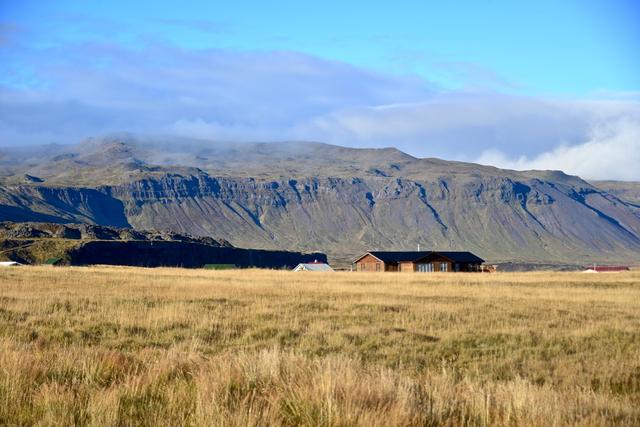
x=345, y=201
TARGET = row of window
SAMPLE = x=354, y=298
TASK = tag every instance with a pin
x=430, y=268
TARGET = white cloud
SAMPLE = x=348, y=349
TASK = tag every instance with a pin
x=611, y=152
x=461, y=126
x=92, y=89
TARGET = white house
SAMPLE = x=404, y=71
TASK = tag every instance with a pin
x=313, y=266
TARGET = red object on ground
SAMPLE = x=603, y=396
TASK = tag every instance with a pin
x=607, y=268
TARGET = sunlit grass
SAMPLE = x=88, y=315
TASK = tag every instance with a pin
x=132, y=346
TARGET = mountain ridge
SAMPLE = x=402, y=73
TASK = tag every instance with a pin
x=319, y=197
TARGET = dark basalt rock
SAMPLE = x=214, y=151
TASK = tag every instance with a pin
x=183, y=254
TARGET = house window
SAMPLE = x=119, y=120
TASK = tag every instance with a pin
x=443, y=267
x=377, y=266
x=425, y=268
x=456, y=268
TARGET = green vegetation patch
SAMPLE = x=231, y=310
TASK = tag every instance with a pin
x=219, y=266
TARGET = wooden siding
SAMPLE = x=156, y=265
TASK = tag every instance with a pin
x=370, y=263
x=407, y=267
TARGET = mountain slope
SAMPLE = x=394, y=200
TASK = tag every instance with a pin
x=312, y=196
x=627, y=191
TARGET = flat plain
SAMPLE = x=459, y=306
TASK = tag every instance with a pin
x=134, y=346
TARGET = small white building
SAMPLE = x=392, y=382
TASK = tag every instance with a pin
x=9, y=263
x=314, y=266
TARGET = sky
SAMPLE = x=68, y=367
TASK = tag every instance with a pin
x=545, y=85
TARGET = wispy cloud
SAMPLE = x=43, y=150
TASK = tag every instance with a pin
x=8, y=30
x=160, y=86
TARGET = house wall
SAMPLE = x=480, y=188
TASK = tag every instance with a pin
x=390, y=267
x=451, y=266
x=436, y=266
x=436, y=262
x=370, y=263
x=407, y=267
x=470, y=267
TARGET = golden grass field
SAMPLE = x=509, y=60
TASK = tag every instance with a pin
x=133, y=346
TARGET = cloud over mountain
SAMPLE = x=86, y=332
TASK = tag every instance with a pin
x=67, y=92
x=612, y=151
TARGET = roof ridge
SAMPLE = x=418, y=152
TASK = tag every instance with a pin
x=413, y=256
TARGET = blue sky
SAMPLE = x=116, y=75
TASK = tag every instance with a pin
x=543, y=47
x=502, y=82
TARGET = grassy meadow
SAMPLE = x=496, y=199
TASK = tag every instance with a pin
x=132, y=346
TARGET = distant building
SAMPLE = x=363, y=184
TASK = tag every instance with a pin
x=606, y=268
x=421, y=261
x=314, y=266
x=9, y=263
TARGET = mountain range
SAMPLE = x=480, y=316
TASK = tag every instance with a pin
x=309, y=196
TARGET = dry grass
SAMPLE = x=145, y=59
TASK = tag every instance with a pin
x=130, y=346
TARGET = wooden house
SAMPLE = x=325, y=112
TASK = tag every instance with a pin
x=420, y=261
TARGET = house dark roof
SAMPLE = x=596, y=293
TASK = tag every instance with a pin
x=395, y=257
x=461, y=257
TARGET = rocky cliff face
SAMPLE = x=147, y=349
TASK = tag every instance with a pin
x=60, y=205
x=391, y=201
x=499, y=218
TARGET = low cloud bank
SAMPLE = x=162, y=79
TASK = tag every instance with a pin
x=67, y=93
x=612, y=151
